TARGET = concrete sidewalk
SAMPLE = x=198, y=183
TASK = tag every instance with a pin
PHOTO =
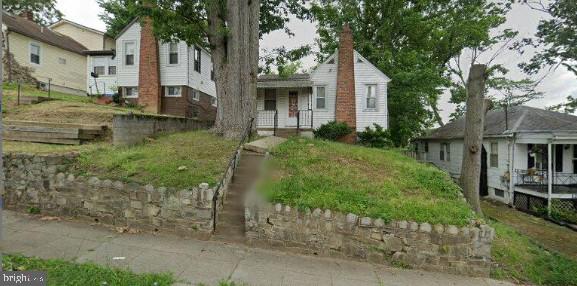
x=207, y=262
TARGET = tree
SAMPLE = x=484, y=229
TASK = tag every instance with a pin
x=117, y=14
x=230, y=29
x=412, y=42
x=569, y=106
x=44, y=11
x=556, y=36
x=473, y=137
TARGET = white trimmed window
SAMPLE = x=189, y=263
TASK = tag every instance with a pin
x=445, y=152
x=195, y=95
x=34, y=53
x=173, y=91
x=131, y=92
x=494, y=157
x=99, y=70
x=173, y=53
x=111, y=70
x=129, y=51
x=197, y=58
x=321, y=99
x=371, y=96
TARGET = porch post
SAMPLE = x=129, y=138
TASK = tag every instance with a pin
x=511, y=172
x=549, y=177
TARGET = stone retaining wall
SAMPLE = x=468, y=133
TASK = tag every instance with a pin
x=128, y=129
x=42, y=183
x=464, y=251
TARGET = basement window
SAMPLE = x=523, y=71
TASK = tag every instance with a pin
x=131, y=92
x=172, y=91
x=112, y=70
x=499, y=193
x=195, y=95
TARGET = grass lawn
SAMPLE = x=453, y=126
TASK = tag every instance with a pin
x=41, y=148
x=204, y=155
x=522, y=260
x=365, y=181
x=62, y=273
x=66, y=109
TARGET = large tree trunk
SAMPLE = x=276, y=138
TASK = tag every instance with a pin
x=233, y=36
x=473, y=137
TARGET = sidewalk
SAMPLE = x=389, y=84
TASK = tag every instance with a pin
x=207, y=262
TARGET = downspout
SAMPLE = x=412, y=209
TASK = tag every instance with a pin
x=8, y=56
x=511, y=170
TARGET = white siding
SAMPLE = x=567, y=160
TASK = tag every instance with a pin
x=282, y=103
x=324, y=75
x=128, y=75
x=366, y=74
x=201, y=81
x=174, y=74
x=107, y=84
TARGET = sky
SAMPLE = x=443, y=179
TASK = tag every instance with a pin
x=556, y=86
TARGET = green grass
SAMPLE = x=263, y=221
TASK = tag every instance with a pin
x=204, y=155
x=11, y=89
x=62, y=273
x=385, y=184
x=41, y=148
x=520, y=259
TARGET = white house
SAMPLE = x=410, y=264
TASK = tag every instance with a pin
x=101, y=72
x=529, y=156
x=346, y=87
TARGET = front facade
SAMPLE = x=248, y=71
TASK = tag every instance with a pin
x=167, y=78
x=529, y=157
x=346, y=88
x=52, y=58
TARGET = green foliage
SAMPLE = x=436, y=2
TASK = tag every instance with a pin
x=289, y=69
x=569, y=106
x=117, y=14
x=520, y=259
x=45, y=12
x=412, y=42
x=332, y=130
x=308, y=173
x=34, y=210
x=377, y=138
x=556, y=35
x=204, y=155
x=63, y=273
x=282, y=59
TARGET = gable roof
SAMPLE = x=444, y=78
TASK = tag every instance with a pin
x=64, y=21
x=126, y=28
x=276, y=81
x=365, y=61
x=32, y=30
x=521, y=119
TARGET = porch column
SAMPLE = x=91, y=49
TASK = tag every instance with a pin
x=549, y=176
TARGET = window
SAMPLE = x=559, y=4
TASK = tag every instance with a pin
x=172, y=91
x=62, y=61
x=499, y=193
x=131, y=92
x=574, y=159
x=194, y=111
x=331, y=62
x=112, y=70
x=211, y=72
x=197, y=58
x=494, y=157
x=35, y=54
x=270, y=99
x=129, y=50
x=213, y=101
x=99, y=70
x=195, y=95
x=426, y=147
x=173, y=53
x=445, y=152
x=371, y=96
x=321, y=97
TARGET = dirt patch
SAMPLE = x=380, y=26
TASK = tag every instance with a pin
x=550, y=235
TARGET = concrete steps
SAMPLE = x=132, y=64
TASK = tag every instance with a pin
x=230, y=223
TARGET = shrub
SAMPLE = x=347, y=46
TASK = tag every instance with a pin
x=377, y=138
x=332, y=130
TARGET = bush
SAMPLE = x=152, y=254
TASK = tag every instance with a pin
x=332, y=130
x=377, y=138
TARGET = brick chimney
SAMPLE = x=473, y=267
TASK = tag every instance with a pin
x=345, y=101
x=149, y=89
x=27, y=14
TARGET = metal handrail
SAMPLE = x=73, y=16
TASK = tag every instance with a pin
x=231, y=164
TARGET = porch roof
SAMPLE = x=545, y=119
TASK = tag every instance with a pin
x=519, y=119
x=276, y=81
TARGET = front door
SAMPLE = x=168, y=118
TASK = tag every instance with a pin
x=293, y=108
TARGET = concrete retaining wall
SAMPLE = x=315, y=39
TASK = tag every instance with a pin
x=42, y=183
x=464, y=251
x=128, y=129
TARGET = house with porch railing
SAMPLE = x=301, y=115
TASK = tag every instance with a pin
x=346, y=87
x=529, y=158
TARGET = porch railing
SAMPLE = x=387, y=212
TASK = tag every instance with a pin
x=304, y=119
x=538, y=179
x=267, y=119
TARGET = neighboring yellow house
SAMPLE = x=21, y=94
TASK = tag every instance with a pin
x=92, y=39
x=53, y=57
